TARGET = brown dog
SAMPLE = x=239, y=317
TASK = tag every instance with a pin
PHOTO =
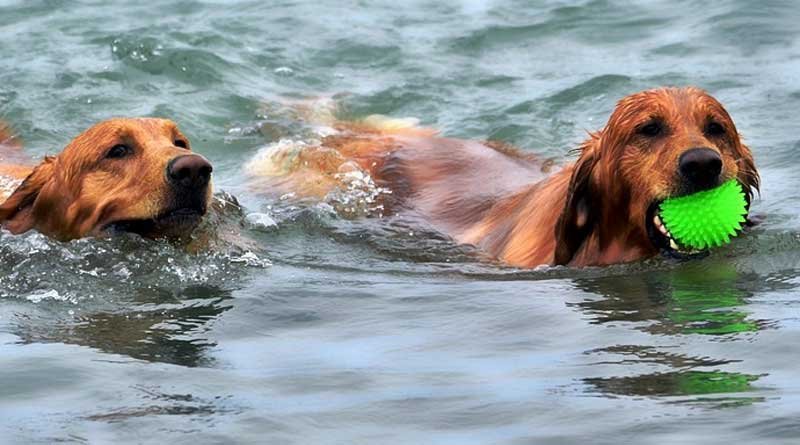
x=600, y=210
x=135, y=175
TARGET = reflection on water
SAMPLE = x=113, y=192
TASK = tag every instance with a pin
x=675, y=383
x=163, y=328
x=704, y=298
x=688, y=383
x=144, y=299
x=160, y=328
x=699, y=297
x=161, y=404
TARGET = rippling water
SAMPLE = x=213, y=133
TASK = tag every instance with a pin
x=332, y=330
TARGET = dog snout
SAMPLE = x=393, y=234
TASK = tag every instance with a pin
x=189, y=171
x=700, y=168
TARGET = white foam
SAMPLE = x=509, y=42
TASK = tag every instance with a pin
x=52, y=295
x=261, y=220
x=358, y=195
x=250, y=259
x=8, y=185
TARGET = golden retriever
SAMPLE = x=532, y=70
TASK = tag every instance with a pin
x=600, y=210
x=132, y=175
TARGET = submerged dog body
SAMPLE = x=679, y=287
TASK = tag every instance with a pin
x=603, y=209
x=136, y=175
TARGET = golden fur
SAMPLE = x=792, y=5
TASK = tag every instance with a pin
x=82, y=191
x=591, y=212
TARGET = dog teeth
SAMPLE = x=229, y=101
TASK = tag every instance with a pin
x=660, y=226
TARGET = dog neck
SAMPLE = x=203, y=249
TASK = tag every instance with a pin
x=520, y=229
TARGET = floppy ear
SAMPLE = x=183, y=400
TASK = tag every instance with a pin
x=16, y=213
x=748, y=175
x=578, y=217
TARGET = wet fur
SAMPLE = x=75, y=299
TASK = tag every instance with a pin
x=590, y=212
x=78, y=192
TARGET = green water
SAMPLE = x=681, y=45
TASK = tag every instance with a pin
x=378, y=332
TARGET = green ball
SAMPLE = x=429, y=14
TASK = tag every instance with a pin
x=706, y=219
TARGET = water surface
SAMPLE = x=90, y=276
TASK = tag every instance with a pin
x=345, y=331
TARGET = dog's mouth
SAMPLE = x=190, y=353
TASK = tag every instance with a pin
x=174, y=223
x=663, y=239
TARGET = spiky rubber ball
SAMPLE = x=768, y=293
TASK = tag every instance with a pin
x=706, y=219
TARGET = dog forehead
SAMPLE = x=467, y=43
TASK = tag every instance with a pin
x=697, y=102
x=122, y=129
x=669, y=103
x=89, y=145
x=137, y=127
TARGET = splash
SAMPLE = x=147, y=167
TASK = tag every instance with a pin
x=8, y=185
x=52, y=295
x=358, y=195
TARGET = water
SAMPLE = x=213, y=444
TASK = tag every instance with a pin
x=334, y=330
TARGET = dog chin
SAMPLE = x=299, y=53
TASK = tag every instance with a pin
x=174, y=224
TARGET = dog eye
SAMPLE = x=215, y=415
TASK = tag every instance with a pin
x=181, y=143
x=714, y=129
x=652, y=129
x=118, y=151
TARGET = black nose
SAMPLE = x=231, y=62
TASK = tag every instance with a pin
x=700, y=168
x=189, y=171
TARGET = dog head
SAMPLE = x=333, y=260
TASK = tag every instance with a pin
x=657, y=144
x=133, y=175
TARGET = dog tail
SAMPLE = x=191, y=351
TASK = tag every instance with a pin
x=324, y=114
x=379, y=123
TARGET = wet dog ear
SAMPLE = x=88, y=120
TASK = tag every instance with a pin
x=16, y=213
x=578, y=216
x=748, y=175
